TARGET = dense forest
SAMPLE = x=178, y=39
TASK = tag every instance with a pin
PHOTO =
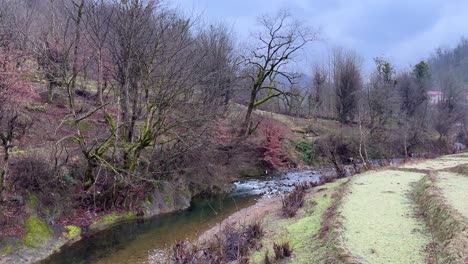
x=103, y=103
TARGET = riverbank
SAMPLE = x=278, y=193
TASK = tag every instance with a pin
x=414, y=213
x=143, y=236
x=169, y=200
x=264, y=206
x=44, y=239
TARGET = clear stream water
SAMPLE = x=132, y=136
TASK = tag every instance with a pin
x=131, y=242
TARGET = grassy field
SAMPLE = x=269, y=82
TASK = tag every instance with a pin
x=415, y=213
x=454, y=189
x=314, y=127
x=438, y=164
x=301, y=231
x=378, y=219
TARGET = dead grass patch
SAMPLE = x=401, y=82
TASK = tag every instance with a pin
x=232, y=244
x=332, y=228
x=448, y=228
x=460, y=169
x=282, y=250
x=293, y=201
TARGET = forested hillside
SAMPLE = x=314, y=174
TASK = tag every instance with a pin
x=121, y=109
x=454, y=62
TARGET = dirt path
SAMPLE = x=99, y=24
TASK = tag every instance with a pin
x=379, y=221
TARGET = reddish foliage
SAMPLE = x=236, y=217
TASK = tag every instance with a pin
x=9, y=225
x=222, y=134
x=12, y=88
x=13, y=230
x=273, y=156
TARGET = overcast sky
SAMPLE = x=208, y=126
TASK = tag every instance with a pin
x=404, y=31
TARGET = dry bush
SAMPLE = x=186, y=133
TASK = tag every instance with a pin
x=293, y=201
x=33, y=173
x=282, y=250
x=237, y=242
x=183, y=253
x=267, y=260
x=233, y=244
x=338, y=148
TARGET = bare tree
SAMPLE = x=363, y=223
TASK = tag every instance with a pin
x=382, y=96
x=13, y=126
x=412, y=90
x=319, y=81
x=76, y=15
x=131, y=37
x=98, y=23
x=58, y=47
x=275, y=48
x=218, y=67
x=347, y=83
x=451, y=108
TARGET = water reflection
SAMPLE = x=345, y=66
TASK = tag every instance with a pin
x=131, y=242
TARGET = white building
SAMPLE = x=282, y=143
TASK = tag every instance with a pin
x=434, y=96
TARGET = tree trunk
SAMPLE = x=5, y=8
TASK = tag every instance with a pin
x=246, y=126
x=50, y=92
x=405, y=144
x=4, y=170
x=89, y=173
x=2, y=176
x=72, y=87
x=99, y=78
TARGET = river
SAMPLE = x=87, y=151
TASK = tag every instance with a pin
x=131, y=242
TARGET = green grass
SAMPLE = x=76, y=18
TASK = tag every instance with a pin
x=301, y=231
x=454, y=189
x=437, y=164
x=379, y=226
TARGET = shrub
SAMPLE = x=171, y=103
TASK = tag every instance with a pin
x=293, y=201
x=267, y=259
x=233, y=244
x=237, y=242
x=33, y=173
x=183, y=253
x=282, y=250
x=306, y=151
x=273, y=155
